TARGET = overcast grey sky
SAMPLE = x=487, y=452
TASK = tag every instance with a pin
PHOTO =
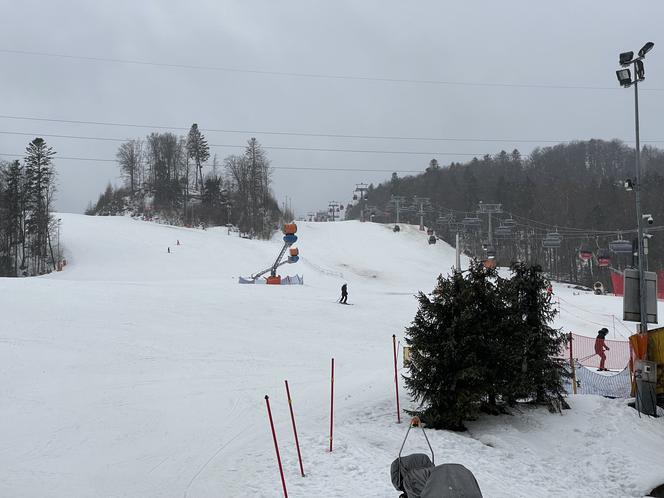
x=563, y=43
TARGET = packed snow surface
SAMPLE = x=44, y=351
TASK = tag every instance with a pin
x=137, y=372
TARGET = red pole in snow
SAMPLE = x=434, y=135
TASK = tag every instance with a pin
x=276, y=447
x=292, y=416
x=396, y=376
x=571, y=362
x=331, y=404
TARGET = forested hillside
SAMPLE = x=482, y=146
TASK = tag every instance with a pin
x=573, y=189
x=169, y=177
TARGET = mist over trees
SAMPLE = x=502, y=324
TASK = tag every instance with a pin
x=164, y=176
x=26, y=226
x=573, y=188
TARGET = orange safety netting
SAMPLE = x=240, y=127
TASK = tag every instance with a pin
x=583, y=351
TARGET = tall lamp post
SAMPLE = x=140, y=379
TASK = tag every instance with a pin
x=625, y=78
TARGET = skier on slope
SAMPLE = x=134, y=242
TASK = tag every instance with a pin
x=344, y=294
x=600, y=347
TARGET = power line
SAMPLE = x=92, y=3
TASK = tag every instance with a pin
x=304, y=134
x=263, y=72
x=269, y=147
x=294, y=168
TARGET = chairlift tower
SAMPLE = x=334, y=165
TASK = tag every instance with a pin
x=398, y=201
x=333, y=208
x=422, y=202
x=490, y=209
x=362, y=188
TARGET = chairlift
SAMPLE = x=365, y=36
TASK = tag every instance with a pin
x=510, y=222
x=621, y=246
x=491, y=252
x=552, y=240
x=503, y=231
x=603, y=258
x=585, y=254
x=472, y=222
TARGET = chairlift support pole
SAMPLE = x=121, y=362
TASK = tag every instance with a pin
x=458, y=251
x=490, y=209
x=361, y=188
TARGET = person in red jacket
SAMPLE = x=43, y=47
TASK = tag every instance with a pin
x=600, y=347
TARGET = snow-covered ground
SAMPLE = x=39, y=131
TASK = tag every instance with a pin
x=140, y=373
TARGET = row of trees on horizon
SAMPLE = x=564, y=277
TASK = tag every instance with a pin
x=164, y=175
x=27, y=229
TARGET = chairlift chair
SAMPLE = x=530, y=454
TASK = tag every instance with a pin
x=552, y=240
x=603, y=258
x=585, y=254
x=621, y=246
x=472, y=222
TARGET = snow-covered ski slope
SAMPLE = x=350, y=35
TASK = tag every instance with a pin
x=139, y=373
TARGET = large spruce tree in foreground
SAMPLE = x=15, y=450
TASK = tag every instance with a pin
x=479, y=341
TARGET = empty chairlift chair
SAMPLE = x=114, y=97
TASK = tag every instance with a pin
x=472, y=222
x=621, y=246
x=552, y=240
x=503, y=231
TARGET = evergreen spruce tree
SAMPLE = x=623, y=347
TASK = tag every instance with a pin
x=12, y=219
x=535, y=370
x=39, y=188
x=198, y=150
x=453, y=340
x=480, y=342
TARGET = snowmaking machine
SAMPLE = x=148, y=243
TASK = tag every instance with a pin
x=289, y=239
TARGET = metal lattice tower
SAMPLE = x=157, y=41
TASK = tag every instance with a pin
x=398, y=201
x=490, y=209
x=362, y=188
x=333, y=208
x=424, y=204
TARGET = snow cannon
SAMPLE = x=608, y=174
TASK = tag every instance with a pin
x=289, y=239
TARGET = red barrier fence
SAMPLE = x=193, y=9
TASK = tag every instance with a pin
x=618, y=283
x=617, y=357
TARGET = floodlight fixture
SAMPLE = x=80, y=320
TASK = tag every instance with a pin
x=646, y=48
x=624, y=77
x=626, y=58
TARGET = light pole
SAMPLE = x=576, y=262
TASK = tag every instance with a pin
x=625, y=79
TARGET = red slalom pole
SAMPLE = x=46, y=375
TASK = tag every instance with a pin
x=276, y=447
x=396, y=376
x=292, y=416
x=331, y=404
